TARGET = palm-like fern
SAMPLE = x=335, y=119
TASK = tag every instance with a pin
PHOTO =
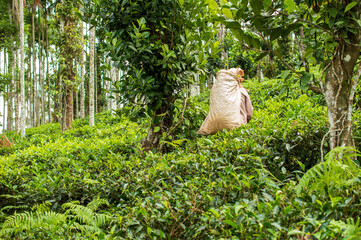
x=76, y=217
x=88, y=219
x=20, y=222
x=338, y=170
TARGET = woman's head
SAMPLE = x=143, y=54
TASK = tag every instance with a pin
x=238, y=72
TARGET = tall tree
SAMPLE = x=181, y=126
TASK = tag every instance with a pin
x=92, y=77
x=82, y=85
x=158, y=43
x=69, y=51
x=47, y=63
x=22, y=68
x=34, y=82
x=332, y=33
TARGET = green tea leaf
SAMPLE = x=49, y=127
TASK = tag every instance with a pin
x=290, y=6
x=231, y=223
x=349, y=6
x=227, y=13
x=156, y=129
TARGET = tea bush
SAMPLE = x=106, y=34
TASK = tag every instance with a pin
x=239, y=184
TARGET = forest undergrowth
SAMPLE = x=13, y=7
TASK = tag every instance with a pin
x=271, y=179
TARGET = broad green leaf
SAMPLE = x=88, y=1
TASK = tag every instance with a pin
x=227, y=13
x=267, y=3
x=285, y=74
x=261, y=56
x=181, y=2
x=290, y=6
x=276, y=225
x=213, y=4
x=209, y=142
x=256, y=6
x=349, y=6
x=231, y=223
x=268, y=196
x=295, y=232
x=333, y=12
x=277, y=32
x=312, y=60
x=114, y=41
x=149, y=231
x=156, y=129
x=305, y=79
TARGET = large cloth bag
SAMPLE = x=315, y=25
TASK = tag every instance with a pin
x=230, y=104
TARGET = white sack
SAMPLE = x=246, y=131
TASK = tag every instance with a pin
x=230, y=105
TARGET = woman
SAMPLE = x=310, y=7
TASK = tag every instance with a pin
x=230, y=104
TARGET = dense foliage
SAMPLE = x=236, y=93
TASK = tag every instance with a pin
x=160, y=44
x=96, y=182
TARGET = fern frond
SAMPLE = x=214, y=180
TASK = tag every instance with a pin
x=349, y=230
x=84, y=214
x=87, y=215
x=338, y=170
x=310, y=176
x=25, y=221
x=42, y=207
x=84, y=228
x=14, y=207
x=101, y=219
x=96, y=203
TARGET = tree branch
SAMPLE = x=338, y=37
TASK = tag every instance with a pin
x=175, y=126
x=300, y=20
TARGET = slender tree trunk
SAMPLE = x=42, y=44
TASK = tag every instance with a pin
x=47, y=65
x=68, y=97
x=339, y=90
x=107, y=83
x=4, y=109
x=57, y=98
x=13, y=80
x=22, y=65
x=91, y=76
x=11, y=94
x=16, y=98
x=75, y=93
x=82, y=86
x=68, y=55
x=30, y=88
x=40, y=79
x=95, y=77
x=6, y=94
x=34, y=69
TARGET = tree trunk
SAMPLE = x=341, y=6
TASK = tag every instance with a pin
x=39, y=85
x=22, y=80
x=57, y=98
x=107, y=86
x=96, y=62
x=16, y=99
x=42, y=59
x=339, y=90
x=34, y=69
x=82, y=87
x=11, y=94
x=68, y=97
x=91, y=77
x=162, y=122
x=47, y=64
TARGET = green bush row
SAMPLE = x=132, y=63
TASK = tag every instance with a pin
x=239, y=184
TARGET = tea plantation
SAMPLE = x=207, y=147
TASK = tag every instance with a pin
x=270, y=179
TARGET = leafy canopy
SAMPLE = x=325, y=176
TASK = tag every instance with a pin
x=267, y=26
x=158, y=43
